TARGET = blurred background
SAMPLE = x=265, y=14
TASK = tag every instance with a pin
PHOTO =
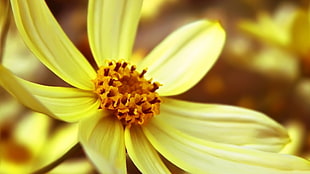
x=265, y=66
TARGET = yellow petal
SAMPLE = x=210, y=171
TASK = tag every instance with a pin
x=102, y=138
x=200, y=156
x=296, y=130
x=60, y=141
x=67, y=104
x=38, y=126
x=267, y=30
x=224, y=124
x=301, y=33
x=112, y=28
x=76, y=166
x=142, y=153
x=185, y=56
x=49, y=43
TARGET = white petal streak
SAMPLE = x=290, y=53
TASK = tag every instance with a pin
x=213, y=122
x=199, y=156
x=142, y=153
x=46, y=39
x=112, y=28
x=185, y=56
x=102, y=137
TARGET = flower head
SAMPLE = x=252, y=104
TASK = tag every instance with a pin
x=125, y=92
x=124, y=107
x=287, y=29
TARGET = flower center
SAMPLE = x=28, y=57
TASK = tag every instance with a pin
x=125, y=92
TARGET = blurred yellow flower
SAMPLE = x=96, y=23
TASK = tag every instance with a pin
x=21, y=153
x=285, y=52
x=287, y=30
x=284, y=48
x=120, y=111
x=271, y=29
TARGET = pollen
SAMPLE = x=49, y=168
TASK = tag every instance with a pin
x=126, y=93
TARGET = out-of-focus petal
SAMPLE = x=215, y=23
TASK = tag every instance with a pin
x=142, y=153
x=38, y=126
x=301, y=33
x=102, y=138
x=112, y=28
x=19, y=152
x=267, y=30
x=224, y=124
x=200, y=156
x=60, y=141
x=79, y=166
x=67, y=104
x=296, y=131
x=44, y=36
x=185, y=56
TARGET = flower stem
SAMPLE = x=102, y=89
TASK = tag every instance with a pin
x=5, y=26
x=54, y=164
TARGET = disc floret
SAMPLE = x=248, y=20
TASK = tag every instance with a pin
x=126, y=93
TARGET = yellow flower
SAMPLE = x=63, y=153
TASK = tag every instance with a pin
x=124, y=108
x=21, y=153
x=272, y=29
x=287, y=52
x=286, y=29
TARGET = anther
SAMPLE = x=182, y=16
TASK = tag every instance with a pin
x=155, y=87
x=118, y=65
x=110, y=82
x=106, y=72
x=133, y=68
x=124, y=65
x=142, y=74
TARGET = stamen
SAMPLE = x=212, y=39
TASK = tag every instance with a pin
x=142, y=74
x=126, y=93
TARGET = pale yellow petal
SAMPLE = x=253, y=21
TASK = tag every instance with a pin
x=11, y=83
x=75, y=166
x=60, y=141
x=224, y=124
x=200, y=156
x=185, y=56
x=67, y=104
x=142, y=153
x=102, y=138
x=44, y=36
x=112, y=28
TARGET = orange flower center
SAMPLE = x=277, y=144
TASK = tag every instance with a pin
x=126, y=93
